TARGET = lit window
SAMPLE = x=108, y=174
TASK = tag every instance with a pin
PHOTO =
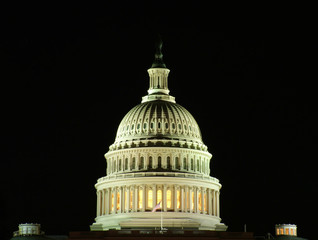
x=200, y=202
x=287, y=231
x=126, y=200
x=291, y=231
x=178, y=199
x=192, y=207
x=169, y=199
x=118, y=200
x=131, y=200
x=159, y=196
x=150, y=199
x=205, y=203
x=140, y=198
x=277, y=231
x=281, y=231
x=188, y=200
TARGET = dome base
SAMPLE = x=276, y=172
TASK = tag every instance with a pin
x=146, y=220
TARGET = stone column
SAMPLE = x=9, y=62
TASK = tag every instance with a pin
x=197, y=200
x=191, y=203
x=175, y=191
x=98, y=203
x=209, y=196
x=144, y=198
x=154, y=195
x=135, y=198
x=183, y=196
x=218, y=204
x=203, y=190
x=103, y=202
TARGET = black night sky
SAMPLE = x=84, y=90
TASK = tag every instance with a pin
x=70, y=74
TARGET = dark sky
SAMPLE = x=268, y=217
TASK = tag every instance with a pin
x=70, y=74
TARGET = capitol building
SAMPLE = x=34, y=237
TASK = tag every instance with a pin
x=158, y=168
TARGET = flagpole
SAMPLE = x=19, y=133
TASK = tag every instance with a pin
x=161, y=218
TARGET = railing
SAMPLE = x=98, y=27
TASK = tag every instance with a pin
x=158, y=174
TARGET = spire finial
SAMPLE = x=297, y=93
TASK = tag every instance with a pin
x=158, y=62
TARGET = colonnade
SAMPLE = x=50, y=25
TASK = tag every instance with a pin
x=172, y=198
x=122, y=163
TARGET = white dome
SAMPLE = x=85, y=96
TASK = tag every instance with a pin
x=158, y=120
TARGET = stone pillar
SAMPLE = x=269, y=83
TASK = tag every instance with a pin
x=143, y=198
x=218, y=204
x=175, y=191
x=154, y=195
x=209, y=196
x=182, y=199
x=203, y=190
x=191, y=203
x=98, y=203
x=135, y=198
x=198, y=200
x=103, y=202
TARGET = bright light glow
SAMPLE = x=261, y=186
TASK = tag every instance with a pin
x=281, y=231
x=113, y=202
x=169, y=199
x=159, y=195
x=200, y=202
x=126, y=200
x=131, y=200
x=150, y=199
x=205, y=203
x=178, y=199
x=287, y=231
x=192, y=207
x=140, y=198
x=118, y=201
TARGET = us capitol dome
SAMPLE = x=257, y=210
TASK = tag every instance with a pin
x=158, y=168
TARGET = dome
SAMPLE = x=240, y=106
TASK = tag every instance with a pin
x=158, y=120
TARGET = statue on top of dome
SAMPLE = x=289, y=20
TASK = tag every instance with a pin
x=158, y=62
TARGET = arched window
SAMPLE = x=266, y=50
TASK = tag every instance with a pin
x=168, y=163
x=142, y=163
x=176, y=163
x=126, y=164
x=133, y=163
x=150, y=162
x=159, y=162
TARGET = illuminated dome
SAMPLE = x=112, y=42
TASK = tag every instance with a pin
x=158, y=161
x=159, y=119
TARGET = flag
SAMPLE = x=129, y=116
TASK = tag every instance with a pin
x=156, y=207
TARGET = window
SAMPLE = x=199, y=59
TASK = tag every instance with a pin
x=142, y=163
x=277, y=231
x=159, y=125
x=176, y=163
x=184, y=163
x=200, y=201
x=169, y=199
x=140, y=196
x=150, y=199
x=168, y=162
x=205, y=202
x=291, y=231
x=150, y=162
x=166, y=125
x=138, y=126
x=178, y=199
x=159, y=162
x=113, y=203
x=192, y=207
x=198, y=165
x=159, y=196
x=145, y=125
x=191, y=163
x=287, y=231
x=281, y=231
x=119, y=165
x=173, y=126
x=126, y=164
x=118, y=200
x=131, y=200
x=151, y=125
x=133, y=164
